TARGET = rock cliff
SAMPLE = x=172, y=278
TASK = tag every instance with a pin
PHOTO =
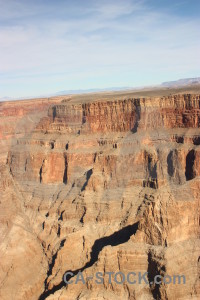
x=103, y=186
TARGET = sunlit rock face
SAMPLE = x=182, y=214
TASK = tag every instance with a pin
x=103, y=186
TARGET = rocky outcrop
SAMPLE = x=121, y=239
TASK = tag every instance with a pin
x=104, y=186
x=178, y=111
x=18, y=118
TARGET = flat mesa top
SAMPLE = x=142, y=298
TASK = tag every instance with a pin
x=112, y=95
x=134, y=93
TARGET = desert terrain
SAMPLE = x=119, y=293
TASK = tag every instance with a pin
x=100, y=182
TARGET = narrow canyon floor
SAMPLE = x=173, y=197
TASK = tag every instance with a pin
x=106, y=182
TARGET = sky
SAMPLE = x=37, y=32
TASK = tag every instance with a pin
x=49, y=46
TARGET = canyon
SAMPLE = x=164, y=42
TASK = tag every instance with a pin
x=105, y=182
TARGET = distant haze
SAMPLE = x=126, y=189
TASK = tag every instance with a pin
x=171, y=84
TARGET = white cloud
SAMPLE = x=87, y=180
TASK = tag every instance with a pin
x=114, y=9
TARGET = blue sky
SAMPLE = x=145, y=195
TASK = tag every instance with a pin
x=48, y=46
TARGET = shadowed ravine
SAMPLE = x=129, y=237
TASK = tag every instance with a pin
x=120, y=237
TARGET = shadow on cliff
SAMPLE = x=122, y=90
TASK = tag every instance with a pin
x=117, y=238
x=137, y=115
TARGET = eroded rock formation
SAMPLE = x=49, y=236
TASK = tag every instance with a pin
x=103, y=186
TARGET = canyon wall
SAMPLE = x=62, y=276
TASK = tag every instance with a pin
x=103, y=186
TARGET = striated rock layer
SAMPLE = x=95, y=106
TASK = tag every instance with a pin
x=103, y=186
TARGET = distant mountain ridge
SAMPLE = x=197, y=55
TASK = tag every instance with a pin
x=182, y=82
x=112, y=89
x=176, y=83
